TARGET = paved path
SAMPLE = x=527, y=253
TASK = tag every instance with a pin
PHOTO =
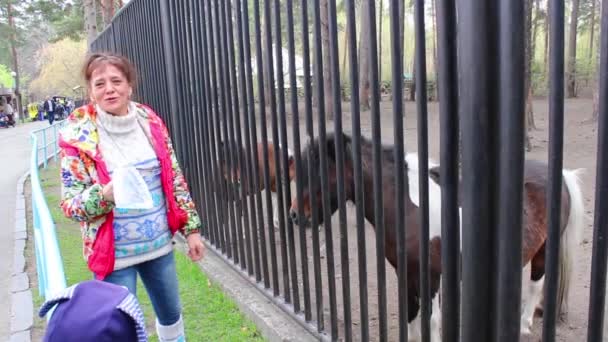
x=14, y=160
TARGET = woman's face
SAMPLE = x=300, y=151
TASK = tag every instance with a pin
x=110, y=89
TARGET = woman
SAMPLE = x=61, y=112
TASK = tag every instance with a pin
x=114, y=132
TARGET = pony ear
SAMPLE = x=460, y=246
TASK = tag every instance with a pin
x=331, y=147
x=435, y=175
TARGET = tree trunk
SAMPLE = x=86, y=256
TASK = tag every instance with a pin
x=596, y=90
x=435, y=63
x=107, y=12
x=591, y=30
x=345, y=51
x=380, y=44
x=364, y=69
x=327, y=81
x=571, y=72
x=546, y=46
x=13, y=42
x=528, y=71
x=265, y=57
x=596, y=104
x=401, y=6
x=535, y=13
x=413, y=84
x=527, y=139
x=90, y=21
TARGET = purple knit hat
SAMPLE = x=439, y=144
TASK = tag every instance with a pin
x=94, y=311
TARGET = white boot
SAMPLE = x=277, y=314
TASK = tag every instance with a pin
x=171, y=333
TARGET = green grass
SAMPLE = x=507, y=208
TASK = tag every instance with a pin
x=209, y=315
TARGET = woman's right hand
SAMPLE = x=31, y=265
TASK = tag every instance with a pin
x=108, y=192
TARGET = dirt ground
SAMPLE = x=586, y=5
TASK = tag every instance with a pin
x=580, y=142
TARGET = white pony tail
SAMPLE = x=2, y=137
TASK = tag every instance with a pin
x=570, y=239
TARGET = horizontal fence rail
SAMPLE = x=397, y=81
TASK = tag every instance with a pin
x=279, y=118
x=51, y=277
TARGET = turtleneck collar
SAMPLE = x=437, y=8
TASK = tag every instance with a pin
x=118, y=124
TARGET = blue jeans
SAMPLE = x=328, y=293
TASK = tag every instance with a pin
x=160, y=279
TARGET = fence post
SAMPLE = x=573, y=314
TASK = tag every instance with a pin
x=44, y=148
x=169, y=64
x=55, y=143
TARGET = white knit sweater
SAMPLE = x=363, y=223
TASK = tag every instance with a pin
x=139, y=235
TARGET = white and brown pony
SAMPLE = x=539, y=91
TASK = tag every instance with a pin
x=534, y=227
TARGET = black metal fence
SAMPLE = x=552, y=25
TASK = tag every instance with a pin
x=201, y=68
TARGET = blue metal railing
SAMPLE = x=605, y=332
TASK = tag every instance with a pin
x=51, y=277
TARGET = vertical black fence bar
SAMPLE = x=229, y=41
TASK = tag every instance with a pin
x=214, y=196
x=511, y=172
x=235, y=137
x=554, y=182
x=244, y=70
x=183, y=84
x=185, y=93
x=193, y=138
x=163, y=90
x=219, y=125
x=337, y=106
x=197, y=176
x=177, y=131
x=423, y=168
x=312, y=178
x=213, y=129
x=277, y=164
x=191, y=141
x=286, y=182
x=448, y=141
x=298, y=163
x=377, y=170
x=397, y=87
x=264, y=129
x=200, y=112
x=154, y=97
x=479, y=120
x=230, y=93
x=145, y=63
x=251, y=133
x=600, y=226
x=181, y=135
x=327, y=226
x=353, y=64
x=207, y=104
x=220, y=122
x=196, y=113
x=226, y=122
x=282, y=173
x=134, y=55
x=169, y=61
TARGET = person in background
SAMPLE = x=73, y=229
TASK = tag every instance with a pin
x=49, y=108
x=10, y=112
x=113, y=134
x=40, y=111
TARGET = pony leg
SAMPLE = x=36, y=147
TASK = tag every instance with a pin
x=535, y=292
x=275, y=210
x=436, y=320
x=413, y=330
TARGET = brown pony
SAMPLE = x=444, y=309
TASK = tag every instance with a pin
x=234, y=150
x=534, y=228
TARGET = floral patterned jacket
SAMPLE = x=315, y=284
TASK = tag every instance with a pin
x=84, y=173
